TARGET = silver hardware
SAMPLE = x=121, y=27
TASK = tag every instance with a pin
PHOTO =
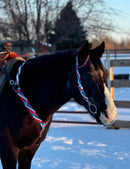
x=92, y=107
x=11, y=82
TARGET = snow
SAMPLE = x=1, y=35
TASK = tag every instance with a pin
x=76, y=146
x=84, y=147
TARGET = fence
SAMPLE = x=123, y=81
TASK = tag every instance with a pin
x=119, y=83
x=73, y=112
x=117, y=53
x=115, y=83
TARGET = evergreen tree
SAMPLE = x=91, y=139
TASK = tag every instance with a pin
x=69, y=33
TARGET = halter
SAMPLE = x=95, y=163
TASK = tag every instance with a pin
x=92, y=108
x=27, y=104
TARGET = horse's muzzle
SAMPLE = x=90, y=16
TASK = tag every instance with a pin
x=106, y=120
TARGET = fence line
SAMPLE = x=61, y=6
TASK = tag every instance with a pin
x=73, y=112
x=122, y=51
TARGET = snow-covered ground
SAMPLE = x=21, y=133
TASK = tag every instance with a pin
x=84, y=147
x=78, y=146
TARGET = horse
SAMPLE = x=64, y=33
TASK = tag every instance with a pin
x=48, y=82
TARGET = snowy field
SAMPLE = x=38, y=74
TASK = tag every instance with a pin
x=78, y=146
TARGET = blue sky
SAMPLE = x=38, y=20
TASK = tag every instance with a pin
x=122, y=19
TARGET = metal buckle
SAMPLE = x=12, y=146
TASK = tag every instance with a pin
x=11, y=82
x=92, y=108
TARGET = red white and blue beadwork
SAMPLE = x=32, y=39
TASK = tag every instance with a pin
x=27, y=104
x=92, y=108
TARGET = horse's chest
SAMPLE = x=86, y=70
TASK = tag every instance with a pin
x=29, y=133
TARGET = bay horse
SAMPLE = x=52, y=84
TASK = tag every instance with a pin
x=48, y=82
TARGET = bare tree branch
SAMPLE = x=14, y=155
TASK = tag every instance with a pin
x=33, y=19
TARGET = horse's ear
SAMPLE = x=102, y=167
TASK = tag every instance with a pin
x=83, y=53
x=98, y=51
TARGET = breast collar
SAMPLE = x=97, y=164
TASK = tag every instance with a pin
x=27, y=103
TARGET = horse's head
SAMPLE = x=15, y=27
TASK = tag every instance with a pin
x=92, y=90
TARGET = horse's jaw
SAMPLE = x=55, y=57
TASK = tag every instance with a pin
x=111, y=109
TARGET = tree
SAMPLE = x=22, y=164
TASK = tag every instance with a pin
x=34, y=20
x=68, y=30
x=25, y=19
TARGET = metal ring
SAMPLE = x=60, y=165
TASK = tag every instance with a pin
x=11, y=82
x=92, y=108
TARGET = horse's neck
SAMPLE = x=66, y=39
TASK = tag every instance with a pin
x=46, y=82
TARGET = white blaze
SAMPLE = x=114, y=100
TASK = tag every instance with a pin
x=111, y=108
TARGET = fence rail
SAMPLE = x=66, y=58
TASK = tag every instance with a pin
x=74, y=122
x=120, y=83
x=118, y=51
x=73, y=112
x=122, y=104
x=120, y=63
